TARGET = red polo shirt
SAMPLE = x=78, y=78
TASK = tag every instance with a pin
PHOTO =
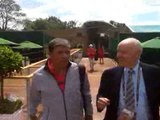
x=60, y=78
x=91, y=52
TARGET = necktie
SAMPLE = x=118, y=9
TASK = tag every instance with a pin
x=130, y=96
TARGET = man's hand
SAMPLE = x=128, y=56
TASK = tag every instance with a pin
x=102, y=103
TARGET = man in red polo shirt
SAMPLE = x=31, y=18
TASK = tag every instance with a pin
x=91, y=52
x=57, y=87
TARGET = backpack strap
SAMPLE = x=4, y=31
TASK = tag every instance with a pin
x=82, y=70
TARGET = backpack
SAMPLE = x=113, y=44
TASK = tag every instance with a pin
x=82, y=70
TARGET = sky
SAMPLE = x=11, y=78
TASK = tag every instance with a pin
x=130, y=12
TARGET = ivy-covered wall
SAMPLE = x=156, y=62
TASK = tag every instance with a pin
x=38, y=37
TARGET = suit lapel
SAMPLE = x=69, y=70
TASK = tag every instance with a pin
x=148, y=83
x=147, y=78
x=118, y=77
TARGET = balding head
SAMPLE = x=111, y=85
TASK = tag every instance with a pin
x=133, y=44
x=129, y=51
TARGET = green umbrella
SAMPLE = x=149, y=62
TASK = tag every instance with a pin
x=28, y=45
x=153, y=43
x=6, y=42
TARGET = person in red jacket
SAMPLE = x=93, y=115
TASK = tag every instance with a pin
x=101, y=54
x=91, y=52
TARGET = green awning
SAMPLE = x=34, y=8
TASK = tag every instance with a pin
x=153, y=43
x=28, y=45
x=7, y=42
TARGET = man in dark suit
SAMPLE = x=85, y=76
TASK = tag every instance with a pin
x=145, y=96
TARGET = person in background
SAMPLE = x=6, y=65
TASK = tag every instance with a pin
x=91, y=52
x=56, y=86
x=130, y=91
x=101, y=54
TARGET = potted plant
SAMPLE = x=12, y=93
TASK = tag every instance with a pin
x=10, y=62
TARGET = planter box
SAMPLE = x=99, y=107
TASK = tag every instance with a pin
x=15, y=116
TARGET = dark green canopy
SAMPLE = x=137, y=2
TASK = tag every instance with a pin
x=151, y=52
x=28, y=45
x=7, y=42
x=153, y=43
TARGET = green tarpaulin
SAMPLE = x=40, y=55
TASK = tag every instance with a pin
x=151, y=51
x=6, y=42
x=153, y=43
x=28, y=45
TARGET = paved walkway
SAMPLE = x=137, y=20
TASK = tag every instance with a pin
x=94, y=79
x=18, y=86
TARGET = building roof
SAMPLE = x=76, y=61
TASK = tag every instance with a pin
x=145, y=28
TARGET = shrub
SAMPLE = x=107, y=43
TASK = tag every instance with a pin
x=9, y=107
x=9, y=62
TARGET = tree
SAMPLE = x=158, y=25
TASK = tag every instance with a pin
x=28, y=24
x=10, y=14
x=71, y=24
x=50, y=23
x=9, y=62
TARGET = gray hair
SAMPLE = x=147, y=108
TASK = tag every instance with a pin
x=58, y=42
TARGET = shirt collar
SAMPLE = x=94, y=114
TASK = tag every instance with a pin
x=47, y=68
x=135, y=68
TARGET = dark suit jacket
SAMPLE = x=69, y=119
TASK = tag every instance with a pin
x=110, y=88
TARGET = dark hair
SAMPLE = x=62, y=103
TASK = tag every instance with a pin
x=58, y=42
